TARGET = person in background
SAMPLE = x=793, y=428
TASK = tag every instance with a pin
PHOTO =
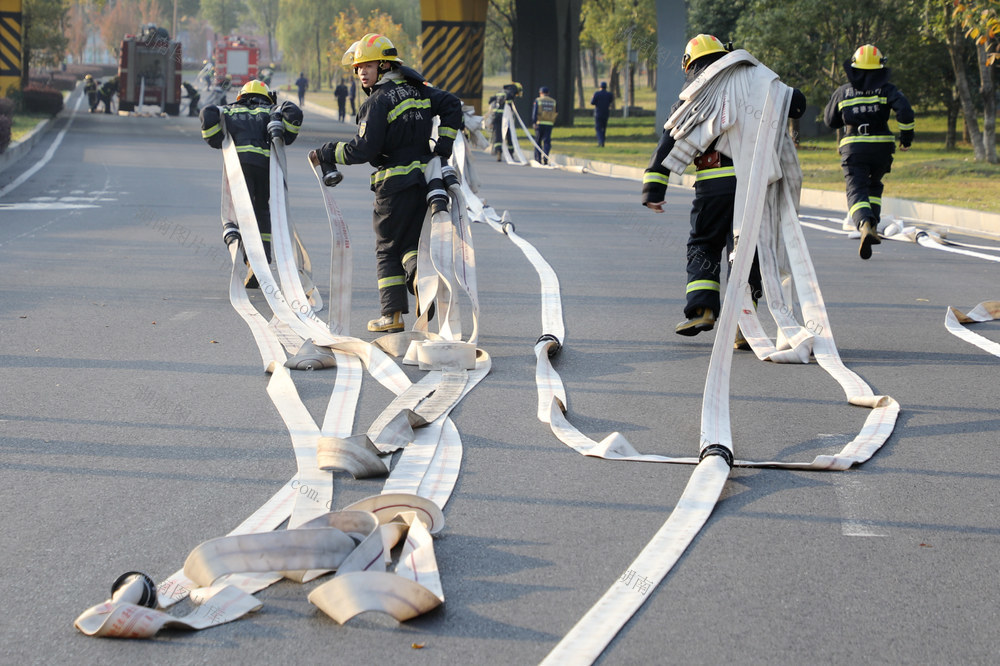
x=341, y=93
x=107, y=91
x=543, y=117
x=266, y=74
x=497, y=104
x=354, y=95
x=601, y=101
x=193, y=97
x=90, y=90
x=862, y=106
x=302, y=83
x=251, y=121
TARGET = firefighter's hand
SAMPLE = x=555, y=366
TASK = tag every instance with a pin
x=903, y=148
x=655, y=206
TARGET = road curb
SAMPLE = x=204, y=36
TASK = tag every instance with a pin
x=17, y=149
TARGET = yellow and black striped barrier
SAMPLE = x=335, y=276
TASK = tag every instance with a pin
x=10, y=45
x=453, y=35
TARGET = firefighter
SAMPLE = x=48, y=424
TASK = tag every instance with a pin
x=206, y=74
x=862, y=106
x=247, y=121
x=90, y=89
x=712, y=210
x=394, y=132
x=266, y=74
x=107, y=91
x=193, y=97
x=497, y=104
x=543, y=116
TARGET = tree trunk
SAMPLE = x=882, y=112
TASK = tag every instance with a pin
x=988, y=91
x=616, y=88
x=951, y=135
x=954, y=43
x=631, y=84
x=579, y=83
x=593, y=66
x=319, y=62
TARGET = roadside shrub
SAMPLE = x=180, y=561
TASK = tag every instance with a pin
x=42, y=99
x=5, y=123
x=7, y=107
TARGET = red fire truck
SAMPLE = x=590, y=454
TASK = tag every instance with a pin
x=149, y=71
x=236, y=58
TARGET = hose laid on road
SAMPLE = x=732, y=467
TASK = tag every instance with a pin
x=956, y=322
x=224, y=572
x=590, y=636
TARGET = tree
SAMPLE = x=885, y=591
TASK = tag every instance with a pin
x=224, y=15
x=807, y=42
x=78, y=23
x=43, y=41
x=350, y=26
x=613, y=25
x=501, y=16
x=981, y=21
x=265, y=14
x=716, y=18
x=946, y=18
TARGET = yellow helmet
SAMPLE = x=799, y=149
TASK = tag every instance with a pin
x=88, y=77
x=698, y=46
x=254, y=88
x=371, y=47
x=868, y=57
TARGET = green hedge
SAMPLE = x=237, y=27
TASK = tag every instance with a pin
x=42, y=99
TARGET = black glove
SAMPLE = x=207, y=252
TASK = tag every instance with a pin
x=327, y=153
x=443, y=147
x=328, y=165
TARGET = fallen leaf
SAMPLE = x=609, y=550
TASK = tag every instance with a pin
x=417, y=646
x=926, y=545
x=214, y=342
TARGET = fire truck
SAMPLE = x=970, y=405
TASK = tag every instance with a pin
x=149, y=71
x=236, y=58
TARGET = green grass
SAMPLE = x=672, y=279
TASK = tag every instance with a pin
x=24, y=123
x=927, y=172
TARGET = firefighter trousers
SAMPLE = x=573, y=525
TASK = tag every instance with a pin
x=258, y=182
x=863, y=171
x=709, y=244
x=397, y=220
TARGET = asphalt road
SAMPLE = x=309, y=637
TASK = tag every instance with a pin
x=135, y=425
